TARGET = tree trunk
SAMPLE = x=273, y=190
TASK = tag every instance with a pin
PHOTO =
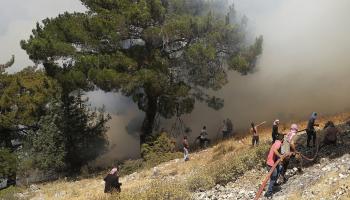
x=148, y=122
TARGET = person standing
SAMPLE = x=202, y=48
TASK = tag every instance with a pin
x=275, y=130
x=229, y=127
x=310, y=130
x=203, y=137
x=224, y=129
x=112, y=181
x=186, y=148
x=254, y=132
x=272, y=157
x=288, y=146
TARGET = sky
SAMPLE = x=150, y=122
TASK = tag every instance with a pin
x=19, y=17
x=305, y=65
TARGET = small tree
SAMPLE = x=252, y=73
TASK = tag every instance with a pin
x=46, y=147
x=84, y=131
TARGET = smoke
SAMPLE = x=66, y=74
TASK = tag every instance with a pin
x=304, y=68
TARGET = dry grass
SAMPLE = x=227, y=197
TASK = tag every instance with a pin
x=177, y=175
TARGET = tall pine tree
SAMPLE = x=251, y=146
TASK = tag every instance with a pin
x=164, y=54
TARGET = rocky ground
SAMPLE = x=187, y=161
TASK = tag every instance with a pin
x=325, y=178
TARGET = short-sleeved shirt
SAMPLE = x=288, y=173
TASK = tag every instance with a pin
x=272, y=157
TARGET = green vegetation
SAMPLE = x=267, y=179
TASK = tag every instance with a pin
x=9, y=193
x=159, y=151
x=163, y=54
x=55, y=135
x=219, y=171
x=8, y=163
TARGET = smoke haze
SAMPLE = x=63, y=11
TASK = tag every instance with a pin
x=304, y=66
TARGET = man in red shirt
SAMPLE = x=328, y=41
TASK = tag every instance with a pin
x=273, y=156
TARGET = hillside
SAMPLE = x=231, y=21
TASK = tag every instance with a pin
x=194, y=179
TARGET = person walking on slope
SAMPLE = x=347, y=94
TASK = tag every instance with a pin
x=310, y=130
x=186, y=148
x=288, y=145
x=254, y=132
x=272, y=157
x=275, y=130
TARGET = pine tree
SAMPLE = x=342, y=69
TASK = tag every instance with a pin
x=164, y=54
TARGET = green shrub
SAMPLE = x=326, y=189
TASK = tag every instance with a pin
x=155, y=153
x=229, y=169
x=9, y=193
x=200, y=181
x=131, y=166
x=160, y=190
x=8, y=163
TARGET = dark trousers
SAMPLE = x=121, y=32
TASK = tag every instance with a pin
x=255, y=140
x=202, y=142
x=311, y=134
x=285, y=164
x=274, y=137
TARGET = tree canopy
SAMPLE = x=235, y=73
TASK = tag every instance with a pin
x=164, y=54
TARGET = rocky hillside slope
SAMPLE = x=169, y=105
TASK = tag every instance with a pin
x=325, y=178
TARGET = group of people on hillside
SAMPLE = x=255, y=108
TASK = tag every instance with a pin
x=284, y=147
x=226, y=129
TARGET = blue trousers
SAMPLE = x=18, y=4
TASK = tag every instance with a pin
x=274, y=176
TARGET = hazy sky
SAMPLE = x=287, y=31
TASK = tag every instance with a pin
x=18, y=18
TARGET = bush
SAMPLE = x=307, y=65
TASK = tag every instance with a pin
x=160, y=190
x=9, y=193
x=229, y=169
x=200, y=181
x=131, y=166
x=8, y=163
x=159, y=151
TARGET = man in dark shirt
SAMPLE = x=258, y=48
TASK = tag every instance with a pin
x=331, y=133
x=112, y=181
x=310, y=130
x=275, y=130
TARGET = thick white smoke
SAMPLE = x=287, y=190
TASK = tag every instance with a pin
x=304, y=68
